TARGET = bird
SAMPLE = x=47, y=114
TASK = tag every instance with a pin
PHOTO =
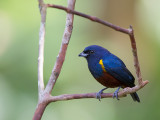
x=109, y=70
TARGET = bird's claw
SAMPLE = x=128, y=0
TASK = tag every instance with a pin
x=98, y=95
x=115, y=94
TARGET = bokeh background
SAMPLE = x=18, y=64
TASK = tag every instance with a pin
x=19, y=30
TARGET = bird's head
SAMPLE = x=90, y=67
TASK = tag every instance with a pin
x=94, y=51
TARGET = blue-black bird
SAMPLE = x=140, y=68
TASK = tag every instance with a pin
x=109, y=70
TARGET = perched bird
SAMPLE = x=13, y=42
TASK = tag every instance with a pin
x=109, y=70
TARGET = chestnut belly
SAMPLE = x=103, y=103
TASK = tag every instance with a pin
x=109, y=81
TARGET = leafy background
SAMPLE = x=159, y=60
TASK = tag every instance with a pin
x=19, y=27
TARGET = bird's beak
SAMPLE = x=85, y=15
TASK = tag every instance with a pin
x=83, y=54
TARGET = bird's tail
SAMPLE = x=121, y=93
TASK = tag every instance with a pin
x=135, y=97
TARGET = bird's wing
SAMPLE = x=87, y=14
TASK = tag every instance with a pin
x=118, y=70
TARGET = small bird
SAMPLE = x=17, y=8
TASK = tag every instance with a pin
x=109, y=70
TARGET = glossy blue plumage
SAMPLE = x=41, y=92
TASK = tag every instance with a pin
x=113, y=65
x=116, y=68
x=93, y=60
x=108, y=69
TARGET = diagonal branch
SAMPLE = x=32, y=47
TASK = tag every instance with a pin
x=92, y=18
x=62, y=53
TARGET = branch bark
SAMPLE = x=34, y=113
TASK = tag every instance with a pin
x=42, y=7
x=135, y=56
x=62, y=53
x=44, y=95
x=39, y=111
x=122, y=93
x=92, y=18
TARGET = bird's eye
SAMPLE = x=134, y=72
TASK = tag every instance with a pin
x=91, y=51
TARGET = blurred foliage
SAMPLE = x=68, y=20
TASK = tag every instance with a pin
x=19, y=27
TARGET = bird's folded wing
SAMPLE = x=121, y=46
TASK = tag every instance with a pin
x=119, y=71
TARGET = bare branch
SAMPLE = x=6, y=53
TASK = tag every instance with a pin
x=92, y=18
x=41, y=47
x=122, y=93
x=41, y=105
x=39, y=111
x=134, y=50
x=61, y=56
x=77, y=96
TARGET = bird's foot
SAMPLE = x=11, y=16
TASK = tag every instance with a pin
x=115, y=94
x=98, y=95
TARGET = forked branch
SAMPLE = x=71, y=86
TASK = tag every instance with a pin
x=45, y=92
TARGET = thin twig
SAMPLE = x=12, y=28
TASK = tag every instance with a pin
x=135, y=56
x=92, y=18
x=41, y=106
x=62, y=53
x=41, y=47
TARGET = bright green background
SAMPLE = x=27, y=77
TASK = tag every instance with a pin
x=19, y=27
